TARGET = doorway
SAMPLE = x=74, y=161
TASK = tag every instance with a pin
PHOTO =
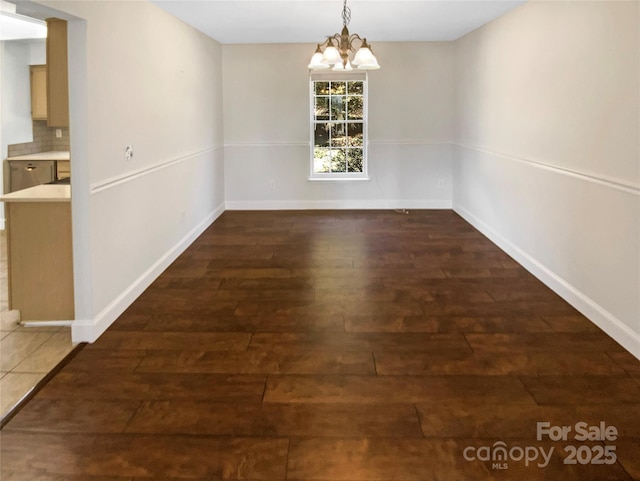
x=28, y=354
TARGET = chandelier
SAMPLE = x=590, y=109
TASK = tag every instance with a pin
x=338, y=47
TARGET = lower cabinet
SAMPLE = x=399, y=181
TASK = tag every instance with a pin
x=40, y=260
x=63, y=169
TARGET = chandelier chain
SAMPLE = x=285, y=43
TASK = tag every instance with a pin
x=346, y=14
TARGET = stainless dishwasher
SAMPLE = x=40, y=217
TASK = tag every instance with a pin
x=28, y=173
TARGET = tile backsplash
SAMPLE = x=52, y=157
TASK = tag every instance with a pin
x=44, y=140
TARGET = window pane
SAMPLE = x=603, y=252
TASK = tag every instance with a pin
x=338, y=160
x=354, y=160
x=356, y=87
x=355, y=108
x=338, y=88
x=322, y=108
x=338, y=117
x=355, y=134
x=321, y=160
x=338, y=135
x=322, y=88
x=338, y=108
x=321, y=135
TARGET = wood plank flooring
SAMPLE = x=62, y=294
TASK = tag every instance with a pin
x=353, y=346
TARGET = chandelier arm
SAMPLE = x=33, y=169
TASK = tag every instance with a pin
x=335, y=37
x=352, y=38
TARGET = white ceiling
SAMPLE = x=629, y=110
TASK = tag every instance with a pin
x=310, y=21
x=19, y=27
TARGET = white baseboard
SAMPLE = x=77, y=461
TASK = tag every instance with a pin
x=90, y=329
x=337, y=204
x=614, y=327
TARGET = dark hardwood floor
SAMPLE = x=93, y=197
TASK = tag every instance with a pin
x=335, y=346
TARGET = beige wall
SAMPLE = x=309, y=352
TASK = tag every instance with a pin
x=265, y=92
x=548, y=147
x=411, y=96
x=555, y=82
x=267, y=136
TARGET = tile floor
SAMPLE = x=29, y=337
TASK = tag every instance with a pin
x=27, y=354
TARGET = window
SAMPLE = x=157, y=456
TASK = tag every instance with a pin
x=338, y=127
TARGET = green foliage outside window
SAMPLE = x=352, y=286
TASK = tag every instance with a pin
x=338, y=127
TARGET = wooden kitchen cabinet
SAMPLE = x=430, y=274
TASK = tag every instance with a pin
x=57, y=74
x=63, y=169
x=40, y=260
x=38, y=77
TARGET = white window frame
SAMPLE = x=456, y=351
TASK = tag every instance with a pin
x=339, y=176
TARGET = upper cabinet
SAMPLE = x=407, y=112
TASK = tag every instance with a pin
x=38, y=76
x=57, y=74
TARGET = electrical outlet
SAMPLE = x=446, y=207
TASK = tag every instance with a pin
x=58, y=133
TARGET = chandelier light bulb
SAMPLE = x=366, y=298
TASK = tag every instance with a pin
x=331, y=55
x=370, y=64
x=341, y=68
x=316, y=60
x=363, y=55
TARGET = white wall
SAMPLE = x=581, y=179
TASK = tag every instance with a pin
x=15, y=99
x=15, y=120
x=266, y=125
x=139, y=77
x=548, y=147
x=38, y=51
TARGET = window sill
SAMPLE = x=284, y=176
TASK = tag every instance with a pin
x=339, y=179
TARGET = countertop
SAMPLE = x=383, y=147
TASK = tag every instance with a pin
x=53, y=155
x=40, y=193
